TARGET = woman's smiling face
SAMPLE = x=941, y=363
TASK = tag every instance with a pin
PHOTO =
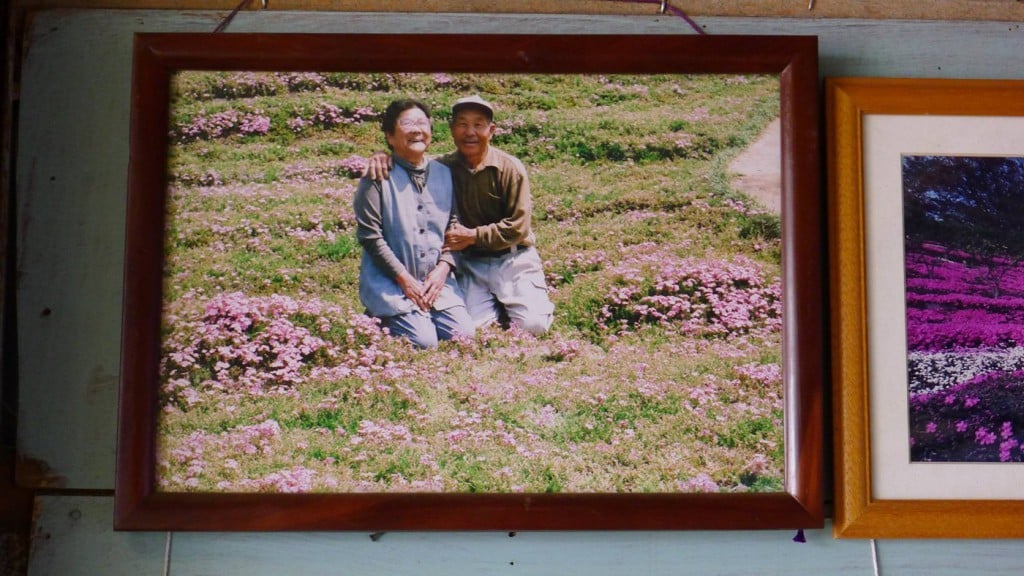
x=411, y=136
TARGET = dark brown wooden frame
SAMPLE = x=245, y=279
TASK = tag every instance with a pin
x=858, y=513
x=138, y=506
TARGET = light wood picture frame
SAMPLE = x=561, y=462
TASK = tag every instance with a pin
x=886, y=486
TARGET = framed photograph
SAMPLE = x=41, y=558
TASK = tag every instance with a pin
x=926, y=181
x=587, y=294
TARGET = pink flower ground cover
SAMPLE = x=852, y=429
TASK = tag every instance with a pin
x=662, y=372
x=965, y=330
x=340, y=406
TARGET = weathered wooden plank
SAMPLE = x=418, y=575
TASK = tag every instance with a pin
x=73, y=535
x=70, y=239
x=940, y=557
x=534, y=553
x=71, y=194
x=73, y=153
x=922, y=9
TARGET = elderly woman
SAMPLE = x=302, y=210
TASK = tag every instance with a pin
x=405, y=278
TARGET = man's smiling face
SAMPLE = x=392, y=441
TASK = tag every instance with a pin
x=472, y=130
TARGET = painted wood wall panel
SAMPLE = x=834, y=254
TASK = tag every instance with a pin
x=927, y=557
x=70, y=212
x=918, y=9
x=72, y=536
x=533, y=553
x=70, y=195
x=73, y=154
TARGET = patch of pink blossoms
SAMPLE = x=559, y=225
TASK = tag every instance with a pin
x=700, y=297
x=257, y=343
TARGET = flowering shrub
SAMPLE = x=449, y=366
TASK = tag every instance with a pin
x=958, y=301
x=246, y=85
x=509, y=126
x=578, y=263
x=700, y=297
x=965, y=331
x=766, y=374
x=327, y=115
x=258, y=343
x=699, y=483
x=297, y=124
x=190, y=456
x=563, y=350
x=254, y=124
x=351, y=167
x=442, y=81
x=302, y=81
x=221, y=125
x=977, y=421
x=931, y=371
x=934, y=330
x=362, y=83
x=232, y=85
x=226, y=123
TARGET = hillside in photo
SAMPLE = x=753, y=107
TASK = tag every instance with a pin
x=662, y=370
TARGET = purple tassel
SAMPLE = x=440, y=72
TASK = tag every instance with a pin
x=799, y=536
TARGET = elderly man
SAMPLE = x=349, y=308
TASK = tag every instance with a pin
x=499, y=269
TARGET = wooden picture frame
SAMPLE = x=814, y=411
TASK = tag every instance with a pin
x=139, y=505
x=884, y=486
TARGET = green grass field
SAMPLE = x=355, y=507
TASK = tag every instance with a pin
x=661, y=372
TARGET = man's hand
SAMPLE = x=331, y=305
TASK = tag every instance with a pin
x=458, y=237
x=377, y=166
x=413, y=290
x=434, y=282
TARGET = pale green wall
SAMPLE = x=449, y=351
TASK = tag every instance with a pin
x=73, y=153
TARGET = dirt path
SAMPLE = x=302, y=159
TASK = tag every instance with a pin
x=757, y=171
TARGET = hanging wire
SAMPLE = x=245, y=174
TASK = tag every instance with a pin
x=167, y=554
x=665, y=8
x=231, y=15
x=668, y=7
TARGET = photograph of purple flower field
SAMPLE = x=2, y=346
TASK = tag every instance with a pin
x=660, y=236
x=964, y=251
